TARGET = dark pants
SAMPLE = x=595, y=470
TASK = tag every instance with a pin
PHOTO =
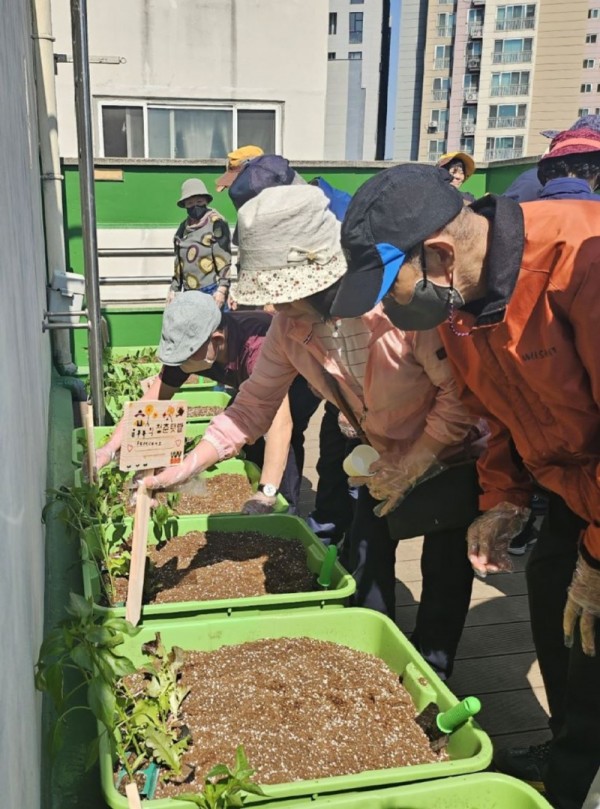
x=571, y=679
x=334, y=501
x=303, y=404
x=447, y=581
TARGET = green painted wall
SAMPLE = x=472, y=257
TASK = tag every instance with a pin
x=146, y=198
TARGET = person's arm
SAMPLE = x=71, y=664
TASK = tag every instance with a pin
x=222, y=236
x=157, y=390
x=277, y=447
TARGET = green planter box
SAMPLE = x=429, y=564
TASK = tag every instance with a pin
x=478, y=791
x=469, y=749
x=102, y=434
x=232, y=466
x=203, y=399
x=342, y=583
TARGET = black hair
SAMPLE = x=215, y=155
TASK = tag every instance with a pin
x=585, y=166
x=323, y=301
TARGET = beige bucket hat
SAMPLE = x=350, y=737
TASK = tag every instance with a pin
x=289, y=246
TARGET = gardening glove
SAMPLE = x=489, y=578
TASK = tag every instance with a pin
x=346, y=428
x=583, y=602
x=199, y=459
x=392, y=477
x=259, y=503
x=489, y=536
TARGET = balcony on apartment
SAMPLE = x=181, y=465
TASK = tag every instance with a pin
x=511, y=57
x=471, y=94
x=510, y=90
x=467, y=127
x=519, y=24
x=507, y=122
x=473, y=62
x=439, y=95
x=442, y=64
x=445, y=30
x=503, y=154
x=475, y=30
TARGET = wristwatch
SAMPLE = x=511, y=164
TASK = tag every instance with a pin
x=268, y=489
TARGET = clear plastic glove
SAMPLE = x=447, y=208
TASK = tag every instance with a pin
x=583, y=602
x=172, y=475
x=104, y=455
x=346, y=428
x=392, y=477
x=489, y=536
x=259, y=503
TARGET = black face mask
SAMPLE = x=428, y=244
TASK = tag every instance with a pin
x=430, y=305
x=196, y=212
x=323, y=301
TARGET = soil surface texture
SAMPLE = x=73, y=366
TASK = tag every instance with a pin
x=225, y=494
x=204, y=410
x=302, y=708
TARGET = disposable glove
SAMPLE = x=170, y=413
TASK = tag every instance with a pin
x=346, y=428
x=583, y=602
x=105, y=455
x=259, y=503
x=489, y=536
x=199, y=459
x=392, y=477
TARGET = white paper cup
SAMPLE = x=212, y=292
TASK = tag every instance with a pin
x=360, y=459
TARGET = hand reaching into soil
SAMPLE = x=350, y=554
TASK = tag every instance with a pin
x=489, y=536
x=199, y=459
x=259, y=503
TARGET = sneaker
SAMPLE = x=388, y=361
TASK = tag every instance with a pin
x=528, y=764
x=525, y=540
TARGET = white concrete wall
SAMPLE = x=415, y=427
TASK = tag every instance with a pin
x=25, y=364
x=201, y=50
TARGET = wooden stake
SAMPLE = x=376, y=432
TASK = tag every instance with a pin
x=133, y=607
x=87, y=417
x=133, y=796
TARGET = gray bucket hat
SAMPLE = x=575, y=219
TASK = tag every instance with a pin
x=289, y=246
x=188, y=322
x=193, y=188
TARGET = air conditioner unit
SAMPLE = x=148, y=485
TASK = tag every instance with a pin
x=432, y=126
x=468, y=129
x=471, y=95
x=473, y=64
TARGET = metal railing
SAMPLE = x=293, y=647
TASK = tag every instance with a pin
x=476, y=29
x=441, y=64
x=511, y=58
x=515, y=25
x=510, y=90
x=445, y=30
x=503, y=154
x=439, y=95
x=434, y=156
x=506, y=121
x=471, y=96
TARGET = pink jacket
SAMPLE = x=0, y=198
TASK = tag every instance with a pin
x=408, y=387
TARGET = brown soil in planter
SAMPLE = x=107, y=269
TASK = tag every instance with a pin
x=302, y=708
x=204, y=566
x=204, y=410
x=225, y=494
x=201, y=566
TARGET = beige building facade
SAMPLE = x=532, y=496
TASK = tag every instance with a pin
x=497, y=74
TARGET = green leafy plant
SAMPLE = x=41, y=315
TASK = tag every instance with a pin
x=224, y=788
x=163, y=516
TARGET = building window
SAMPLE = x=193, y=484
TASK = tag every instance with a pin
x=440, y=88
x=443, y=56
x=583, y=111
x=504, y=148
x=352, y=55
x=331, y=56
x=445, y=24
x=357, y=2
x=515, y=18
x=588, y=64
x=507, y=51
x=438, y=121
x=436, y=150
x=591, y=39
x=512, y=83
x=153, y=130
x=332, y=23
x=585, y=88
x=507, y=115
x=356, y=27
x=593, y=13
x=467, y=145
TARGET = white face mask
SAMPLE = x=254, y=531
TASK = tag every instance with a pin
x=203, y=365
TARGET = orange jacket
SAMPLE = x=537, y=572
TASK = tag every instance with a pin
x=536, y=373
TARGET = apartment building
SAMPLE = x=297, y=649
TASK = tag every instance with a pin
x=496, y=74
x=353, y=79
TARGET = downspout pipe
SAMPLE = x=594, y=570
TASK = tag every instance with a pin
x=50, y=165
x=81, y=74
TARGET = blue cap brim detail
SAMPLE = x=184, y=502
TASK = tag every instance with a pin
x=392, y=259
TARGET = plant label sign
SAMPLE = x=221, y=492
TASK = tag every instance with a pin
x=153, y=434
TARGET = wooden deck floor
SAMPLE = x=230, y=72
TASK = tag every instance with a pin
x=496, y=660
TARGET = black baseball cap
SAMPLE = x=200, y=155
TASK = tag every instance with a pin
x=263, y=172
x=388, y=216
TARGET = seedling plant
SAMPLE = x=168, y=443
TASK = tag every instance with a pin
x=224, y=788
